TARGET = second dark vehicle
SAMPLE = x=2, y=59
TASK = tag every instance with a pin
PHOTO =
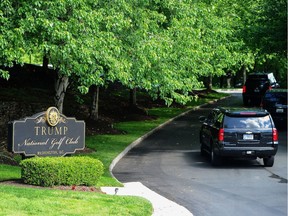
x=255, y=87
x=239, y=134
x=275, y=102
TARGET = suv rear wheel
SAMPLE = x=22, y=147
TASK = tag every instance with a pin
x=202, y=151
x=215, y=159
x=268, y=162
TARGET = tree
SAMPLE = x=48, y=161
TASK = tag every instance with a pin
x=163, y=47
x=262, y=30
x=200, y=32
x=270, y=37
x=75, y=37
x=11, y=40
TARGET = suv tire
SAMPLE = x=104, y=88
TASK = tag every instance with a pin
x=202, y=150
x=215, y=159
x=268, y=162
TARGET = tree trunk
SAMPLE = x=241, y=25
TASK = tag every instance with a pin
x=45, y=62
x=61, y=85
x=94, y=115
x=228, y=82
x=221, y=81
x=208, y=83
x=229, y=77
x=133, y=98
x=244, y=72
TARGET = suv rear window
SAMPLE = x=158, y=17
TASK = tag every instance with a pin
x=263, y=77
x=247, y=122
x=256, y=82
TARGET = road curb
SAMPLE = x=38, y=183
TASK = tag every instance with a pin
x=161, y=205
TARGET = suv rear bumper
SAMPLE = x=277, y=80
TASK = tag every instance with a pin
x=260, y=152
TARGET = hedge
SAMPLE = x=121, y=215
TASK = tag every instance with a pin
x=51, y=171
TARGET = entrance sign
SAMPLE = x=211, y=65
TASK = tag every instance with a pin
x=46, y=134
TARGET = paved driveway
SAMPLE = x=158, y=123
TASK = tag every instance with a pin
x=169, y=163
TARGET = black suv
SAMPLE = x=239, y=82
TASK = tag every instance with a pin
x=255, y=87
x=239, y=133
x=275, y=102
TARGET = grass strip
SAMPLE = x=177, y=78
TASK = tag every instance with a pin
x=31, y=201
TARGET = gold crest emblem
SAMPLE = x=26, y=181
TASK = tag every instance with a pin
x=52, y=116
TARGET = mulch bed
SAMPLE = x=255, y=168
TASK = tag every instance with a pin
x=20, y=183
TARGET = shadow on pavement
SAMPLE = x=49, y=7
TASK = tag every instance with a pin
x=198, y=161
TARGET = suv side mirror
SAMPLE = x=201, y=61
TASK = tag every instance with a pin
x=202, y=118
x=275, y=85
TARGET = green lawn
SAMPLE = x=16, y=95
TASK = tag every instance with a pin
x=31, y=201
x=27, y=201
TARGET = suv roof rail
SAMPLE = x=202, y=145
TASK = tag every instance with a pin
x=241, y=111
x=223, y=109
x=259, y=72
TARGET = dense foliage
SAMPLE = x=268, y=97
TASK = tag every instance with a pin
x=50, y=171
x=164, y=47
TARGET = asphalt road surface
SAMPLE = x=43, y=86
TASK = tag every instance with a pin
x=169, y=163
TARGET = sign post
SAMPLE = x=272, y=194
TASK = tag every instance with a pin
x=46, y=134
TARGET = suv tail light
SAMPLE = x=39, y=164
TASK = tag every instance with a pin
x=275, y=135
x=221, y=134
x=247, y=113
x=244, y=89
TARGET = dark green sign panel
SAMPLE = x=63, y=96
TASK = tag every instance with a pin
x=35, y=135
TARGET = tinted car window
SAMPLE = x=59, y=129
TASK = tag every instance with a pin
x=219, y=120
x=263, y=77
x=244, y=122
x=257, y=82
x=212, y=117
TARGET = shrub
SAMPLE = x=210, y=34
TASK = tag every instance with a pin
x=50, y=171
